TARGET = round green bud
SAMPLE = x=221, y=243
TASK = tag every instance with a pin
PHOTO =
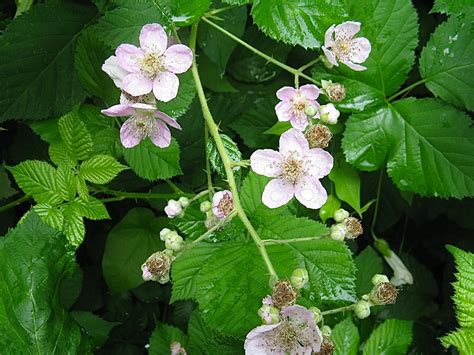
x=341, y=215
x=184, y=201
x=163, y=233
x=326, y=62
x=311, y=111
x=205, y=206
x=338, y=231
x=174, y=242
x=318, y=317
x=269, y=314
x=299, y=278
x=378, y=279
x=362, y=309
x=326, y=331
x=382, y=246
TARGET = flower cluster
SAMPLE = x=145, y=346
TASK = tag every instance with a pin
x=144, y=74
x=176, y=208
x=346, y=227
x=382, y=293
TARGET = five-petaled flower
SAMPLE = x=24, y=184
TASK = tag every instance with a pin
x=294, y=102
x=150, y=67
x=296, y=333
x=340, y=45
x=296, y=170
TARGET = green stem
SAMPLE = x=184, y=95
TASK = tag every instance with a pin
x=14, y=203
x=141, y=195
x=377, y=202
x=261, y=54
x=218, y=11
x=210, y=187
x=174, y=187
x=214, y=131
x=294, y=240
x=408, y=88
x=199, y=195
x=337, y=310
x=302, y=69
x=216, y=227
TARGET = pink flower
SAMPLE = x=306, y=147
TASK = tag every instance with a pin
x=177, y=349
x=150, y=67
x=294, y=103
x=296, y=333
x=173, y=209
x=145, y=121
x=296, y=170
x=222, y=204
x=340, y=45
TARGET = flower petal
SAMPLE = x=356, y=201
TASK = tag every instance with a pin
x=319, y=163
x=256, y=341
x=347, y=29
x=112, y=67
x=293, y=142
x=277, y=193
x=142, y=106
x=286, y=93
x=328, y=37
x=119, y=110
x=363, y=50
x=284, y=111
x=310, y=91
x=330, y=56
x=160, y=134
x=137, y=84
x=299, y=122
x=178, y=58
x=165, y=86
x=129, y=57
x=266, y=162
x=354, y=66
x=310, y=192
x=153, y=38
x=167, y=119
x=130, y=135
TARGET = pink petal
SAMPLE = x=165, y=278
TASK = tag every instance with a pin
x=153, y=39
x=266, y=162
x=167, y=119
x=310, y=192
x=319, y=163
x=354, y=66
x=330, y=56
x=130, y=136
x=286, y=93
x=256, y=341
x=299, y=122
x=129, y=57
x=142, y=106
x=363, y=50
x=293, y=142
x=112, y=67
x=328, y=36
x=119, y=110
x=284, y=111
x=160, y=135
x=347, y=29
x=178, y=58
x=165, y=86
x=310, y=91
x=277, y=193
x=137, y=84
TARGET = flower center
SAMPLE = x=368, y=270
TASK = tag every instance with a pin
x=143, y=126
x=292, y=169
x=158, y=265
x=225, y=205
x=344, y=48
x=151, y=65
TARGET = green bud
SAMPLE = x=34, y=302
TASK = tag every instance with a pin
x=341, y=215
x=362, y=309
x=338, y=231
x=318, y=317
x=378, y=278
x=163, y=233
x=326, y=62
x=205, y=206
x=326, y=331
x=327, y=211
x=184, y=201
x=382, y=246
x=174, y=242
x=311, y=111
x=269, y=314
x=299, y=278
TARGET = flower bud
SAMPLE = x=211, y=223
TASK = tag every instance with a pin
x=299, y=278
x=383, y=293
x=269, y=314
x=362, y=309
x=378, y=278
x=338, y=231
x=205, y=206
x=173, y=209
x=163, y=233
x=318, y=317
x=329, y=114
x=283, y=294
x=354, y=228
x=318, y=136
x=311, y=111
x=184, y=201
x=341, y=215
x=174, y=242
x=157, y=267
x=222, y=204
x=326, y=62
x=401, y=275
x=326, y=331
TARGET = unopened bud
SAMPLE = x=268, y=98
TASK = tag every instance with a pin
x=362, y=309
x=317, y=315
x=205, y=206
x=299, y=278
x=325, y=61
x=184, y=201
x=283, y=294
x=383, y=293
x=311, y=111
x=326, y=331
x=157, y=267
x=329, y=114
x=338, y=231
x=173, y=209
x=379, y=278
x=163, y=233
x=269, y=314
x=341, y=215
x=354, y=228
x=174, y=242
x=318, y=136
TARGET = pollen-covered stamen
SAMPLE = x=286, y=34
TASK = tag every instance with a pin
x=143, y=126
x=287, y=336
x=126, y=98
x=151, y=65
x=226, y=205
x=292, y=169
x=158, y=265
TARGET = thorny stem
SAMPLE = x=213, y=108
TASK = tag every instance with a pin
x=377, y=203
x=216, y=227
x=295, y=240
x=214, y=131
x=340, y=309
x=14, y=203
x=408, y=88
x=261, y=54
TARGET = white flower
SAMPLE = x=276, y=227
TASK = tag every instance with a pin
x=173, y=209
x=401, y=275
x=329, y=114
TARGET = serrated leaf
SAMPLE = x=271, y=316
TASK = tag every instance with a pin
x=6, y=190
x=391, y=26
x=76, y=138
x=91, y=208
x=368, y=263
x=446, y=61
x=462, y=339
x=73, y=228
x=49, y=86
x=236, y=2
x=81, y=187
x=451, y=7
x=60, y=156
x=346, y=338
x=346, y=180
x=392, y=337
x=93, y=325
x=34, y=260
x=192, y=223
x=50, y=215
x=297, y=22
x=427, y=146
x=66, y=183
x=186, y=12
x=153, y=163
x=231, y=149
x=128, y=245
x=162, y=338
x=100, y=169
x=186, y=93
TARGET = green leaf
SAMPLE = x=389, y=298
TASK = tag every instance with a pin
x=297, y=22
x=451, y=7
x=278, y=128
x=346, y=338
x=50, y=215
x=100, y=169
x=38, y=77
x=5, y=183
x=392, y=29
x=34, y=260
x=73, y=226
x=236, y=2
x=192, y=223
x=186, y=12
x=75, y=136
x=60, y=156
x=186, y=93
x=446, y=61
x=368, y=263
x=347, y=182
x=212, y=78
x=462, y=339
x=95, y=326
x=128, y=246
x=427, y=146
x=151, y=162
x=214, y=157
x=91, y=208
x=162, y=338
x=37, y=178
x=66, y=183
x=81, y=187
x=392, y=337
